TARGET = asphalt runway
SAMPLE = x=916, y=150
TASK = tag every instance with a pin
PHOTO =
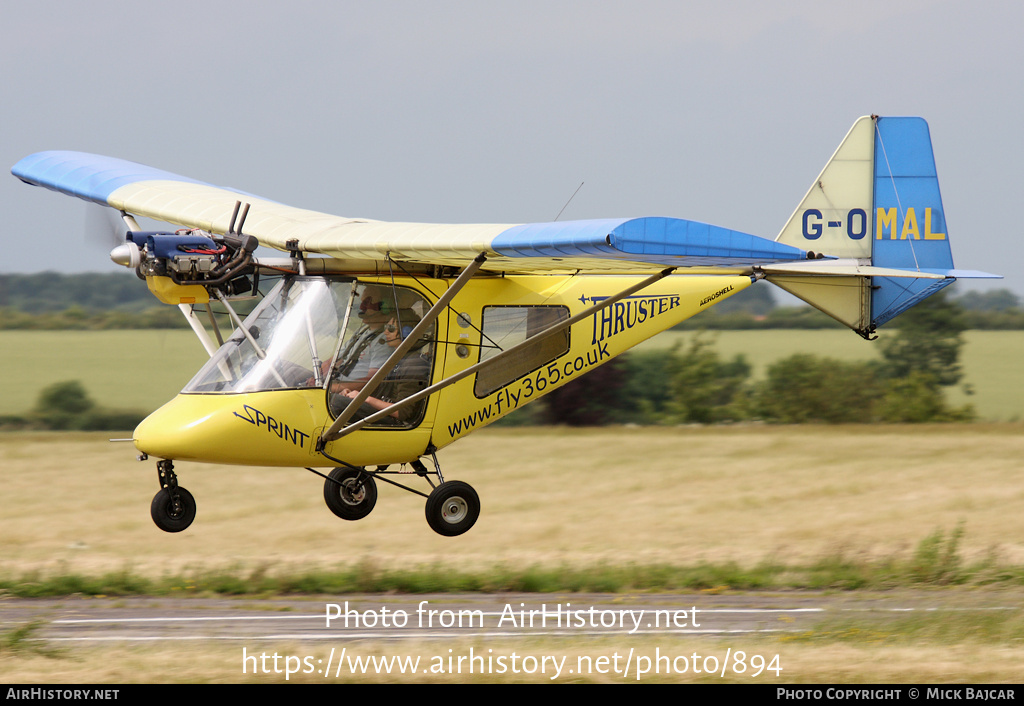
x=86, y=620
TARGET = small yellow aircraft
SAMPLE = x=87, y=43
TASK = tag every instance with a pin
x=378, y=344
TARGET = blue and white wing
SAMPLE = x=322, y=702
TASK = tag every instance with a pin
x=624, y=245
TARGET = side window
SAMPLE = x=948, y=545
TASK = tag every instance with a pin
x=381, y=318
x=507, y=326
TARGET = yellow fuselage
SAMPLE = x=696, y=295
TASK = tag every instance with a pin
x=281, y=427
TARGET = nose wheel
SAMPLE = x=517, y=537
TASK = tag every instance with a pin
x=350, y=493
x=173, y=508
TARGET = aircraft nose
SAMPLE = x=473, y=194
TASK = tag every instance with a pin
x=259, y=429
x=168, y=433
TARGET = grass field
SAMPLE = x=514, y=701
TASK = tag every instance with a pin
x=143, y=369
x=549, y=496
x=621, y=498
x=832, y=505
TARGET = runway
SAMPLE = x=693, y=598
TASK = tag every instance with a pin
x=444, y=616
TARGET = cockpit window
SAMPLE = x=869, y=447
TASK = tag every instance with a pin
x=284, y=343
x=313, y=332
x=384, y=318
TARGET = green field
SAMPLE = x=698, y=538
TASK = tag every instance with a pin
x=143, y=369
x=120, y=369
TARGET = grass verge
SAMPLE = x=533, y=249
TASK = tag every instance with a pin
x=936, y=561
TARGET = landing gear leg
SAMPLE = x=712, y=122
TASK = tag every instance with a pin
x=173, y=507
x=452, y=508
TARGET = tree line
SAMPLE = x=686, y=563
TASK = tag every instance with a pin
x=119, y=300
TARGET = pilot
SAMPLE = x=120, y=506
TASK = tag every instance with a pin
x=408, y=377
x=366, y=351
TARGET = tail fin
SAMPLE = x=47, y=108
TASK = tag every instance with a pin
x=876, y=207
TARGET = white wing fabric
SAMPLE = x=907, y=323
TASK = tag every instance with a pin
x=624, y=245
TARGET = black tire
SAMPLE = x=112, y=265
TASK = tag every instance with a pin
x=452, y=508
x=348, y=496
x=164, y=514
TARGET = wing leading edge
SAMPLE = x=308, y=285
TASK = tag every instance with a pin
x=605, y=245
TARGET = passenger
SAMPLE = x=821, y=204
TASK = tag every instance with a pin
x=409, y=376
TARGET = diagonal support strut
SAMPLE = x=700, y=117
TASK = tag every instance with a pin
x=409, y=341
x=336, y=433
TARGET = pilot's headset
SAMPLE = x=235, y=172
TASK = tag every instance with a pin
x=408, y=320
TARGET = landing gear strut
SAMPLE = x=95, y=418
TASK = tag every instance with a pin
x=173, y=507
x=452, y=506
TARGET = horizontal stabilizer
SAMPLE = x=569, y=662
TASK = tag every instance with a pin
x=833, y=268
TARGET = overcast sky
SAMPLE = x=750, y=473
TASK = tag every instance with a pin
x=484, y=111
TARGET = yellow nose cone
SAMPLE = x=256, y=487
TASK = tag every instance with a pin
x=259, y=429
x=171, y=432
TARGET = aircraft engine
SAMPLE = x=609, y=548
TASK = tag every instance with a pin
x=178, y=266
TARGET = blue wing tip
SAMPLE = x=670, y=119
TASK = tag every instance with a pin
x=88, y=176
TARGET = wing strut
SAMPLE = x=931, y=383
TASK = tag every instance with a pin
x=198, y=329
x=333, y=433
x=409, y=341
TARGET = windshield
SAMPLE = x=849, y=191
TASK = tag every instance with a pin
x=286, y=342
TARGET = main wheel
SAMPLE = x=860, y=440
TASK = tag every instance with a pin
x=452, y=508
x=351, y=494
x=170, y=517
